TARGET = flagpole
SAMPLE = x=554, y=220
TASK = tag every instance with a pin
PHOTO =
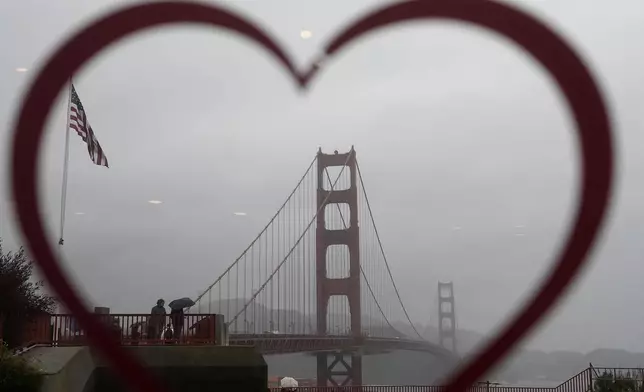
x=63, y=196
x=63, y=191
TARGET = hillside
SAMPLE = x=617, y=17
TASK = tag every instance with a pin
x=561, y=365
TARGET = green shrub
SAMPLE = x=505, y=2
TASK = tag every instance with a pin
x=16, y=373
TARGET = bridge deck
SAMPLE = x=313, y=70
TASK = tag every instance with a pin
x=284, y=343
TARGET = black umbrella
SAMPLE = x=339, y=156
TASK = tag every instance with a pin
x=181, y=303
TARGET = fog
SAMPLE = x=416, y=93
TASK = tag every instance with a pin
x=476, y=186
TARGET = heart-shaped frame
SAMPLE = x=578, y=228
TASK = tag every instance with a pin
x=572, y=76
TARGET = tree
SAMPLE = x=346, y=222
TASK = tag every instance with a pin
x=21, y=298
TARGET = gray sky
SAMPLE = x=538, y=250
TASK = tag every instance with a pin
x=190, y=116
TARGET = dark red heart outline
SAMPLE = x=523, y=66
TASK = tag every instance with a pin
x=570, y=73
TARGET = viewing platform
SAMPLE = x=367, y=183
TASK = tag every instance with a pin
x=130, y=329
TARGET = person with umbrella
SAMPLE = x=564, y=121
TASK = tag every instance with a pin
x=177, y=315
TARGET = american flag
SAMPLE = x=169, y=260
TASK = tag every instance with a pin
x=78, y=122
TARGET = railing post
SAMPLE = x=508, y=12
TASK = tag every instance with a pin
x=102, y=313
x=211, y=334
x=101, y=310
x=222, y=327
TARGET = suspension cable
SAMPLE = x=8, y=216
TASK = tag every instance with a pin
x=382, y=250
x=260, y=233
x=320, y=208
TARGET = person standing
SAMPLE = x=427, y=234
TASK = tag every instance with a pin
x=157, y=320
x=176, y=315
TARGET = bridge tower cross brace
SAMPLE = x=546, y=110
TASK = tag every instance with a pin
x=446, y=316
x=349, y=286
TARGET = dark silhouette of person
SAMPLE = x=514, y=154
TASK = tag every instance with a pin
x=176, y=315
x=157, y=320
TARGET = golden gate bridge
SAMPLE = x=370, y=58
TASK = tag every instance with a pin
x=316, y=279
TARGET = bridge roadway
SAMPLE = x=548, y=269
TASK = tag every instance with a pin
x=288, y=343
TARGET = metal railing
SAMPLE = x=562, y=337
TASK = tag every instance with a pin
x=592, y=379
x=580, y=382
x=379, y=388
x=128, y=329
x=414, y=388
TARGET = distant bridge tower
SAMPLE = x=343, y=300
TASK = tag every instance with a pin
x=446, y=316
x=328, y=373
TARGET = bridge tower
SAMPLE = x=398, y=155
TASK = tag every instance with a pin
x=328, y=373
x=446, y=316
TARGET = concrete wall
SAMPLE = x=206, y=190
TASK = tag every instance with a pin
x=180, y=368
x=193, y=368
x=66, y=368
